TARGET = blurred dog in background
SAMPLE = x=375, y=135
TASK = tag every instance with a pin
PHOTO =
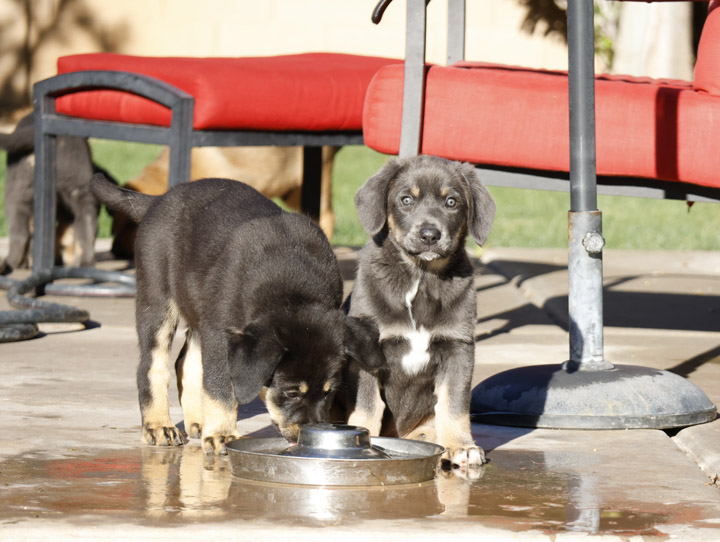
x=276, y=172
x=77, y=208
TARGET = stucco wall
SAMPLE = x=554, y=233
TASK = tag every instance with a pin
x=247, y=28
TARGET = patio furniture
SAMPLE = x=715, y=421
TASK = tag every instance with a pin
x=537, y=129
x=309, y=100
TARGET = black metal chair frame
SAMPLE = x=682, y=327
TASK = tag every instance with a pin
x=180, y=137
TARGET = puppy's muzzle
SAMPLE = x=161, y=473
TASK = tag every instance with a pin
x=429, y=235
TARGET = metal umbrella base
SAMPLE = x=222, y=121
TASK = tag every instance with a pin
x=563, y=397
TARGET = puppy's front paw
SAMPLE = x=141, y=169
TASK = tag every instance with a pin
x=469, y=457
x=162, y=435
x=215, y=444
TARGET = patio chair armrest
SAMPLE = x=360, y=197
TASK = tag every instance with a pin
x=142, y=85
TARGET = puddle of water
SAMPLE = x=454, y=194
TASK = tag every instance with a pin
x=517, y=491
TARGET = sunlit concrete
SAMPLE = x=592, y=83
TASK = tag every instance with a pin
x=72, y=466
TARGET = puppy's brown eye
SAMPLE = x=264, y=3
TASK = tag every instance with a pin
x=292, y=394
x=406, y=200
x=450, y=202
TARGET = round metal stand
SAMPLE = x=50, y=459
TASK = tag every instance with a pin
x=558, y=397
x=587, y=392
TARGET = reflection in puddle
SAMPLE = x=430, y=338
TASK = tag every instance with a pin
x=518, y=491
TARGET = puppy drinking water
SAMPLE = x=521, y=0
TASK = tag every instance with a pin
x=415, y=281
x=260, y=291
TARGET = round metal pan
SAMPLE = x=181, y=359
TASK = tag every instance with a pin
x=409, y=462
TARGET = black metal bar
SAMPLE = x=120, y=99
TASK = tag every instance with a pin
x=141, y=133
x=559, y=181
x=414, y=84
x=143, y=85
x=45, y=193
x=312, y=179
x=221, y=138
x=456, y=31
x=581, y=86
x=181, y=128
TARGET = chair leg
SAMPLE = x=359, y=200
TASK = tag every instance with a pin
x=180, y=142
x=312, y=179
x=45, y=198
x=179, y=169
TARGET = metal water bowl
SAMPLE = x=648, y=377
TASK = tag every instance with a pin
x=335, y=455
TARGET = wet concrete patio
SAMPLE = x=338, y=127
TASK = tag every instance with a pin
x=72, y=466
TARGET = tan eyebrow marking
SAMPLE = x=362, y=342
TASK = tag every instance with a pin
x=303, y=387
x=445, y=191
x=415, y=191
x=327, y=386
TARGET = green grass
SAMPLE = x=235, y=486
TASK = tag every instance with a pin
x=124, y=161
x=525, y=218
x=530, y=218
x=535, y=218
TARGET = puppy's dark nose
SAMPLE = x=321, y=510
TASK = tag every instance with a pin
x=429, y=236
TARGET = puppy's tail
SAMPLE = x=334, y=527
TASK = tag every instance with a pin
x=133, y=204
x=20, y=141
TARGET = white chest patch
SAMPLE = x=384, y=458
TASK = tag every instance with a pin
x=410, y=297
x=419, y=356
x=419, y=339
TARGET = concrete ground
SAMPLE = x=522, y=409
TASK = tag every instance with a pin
x=72, y=467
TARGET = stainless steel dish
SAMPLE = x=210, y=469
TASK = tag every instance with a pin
x=335, y=455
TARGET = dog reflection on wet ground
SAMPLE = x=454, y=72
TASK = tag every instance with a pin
x=519, y=490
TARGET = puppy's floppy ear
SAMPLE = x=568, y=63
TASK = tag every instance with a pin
x=253, y=355
x=481, y=204
x=371, y=197
x=362, y=343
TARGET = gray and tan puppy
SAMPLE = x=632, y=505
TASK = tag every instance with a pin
x=77, y=208
x=260, y=291
x=415, y=281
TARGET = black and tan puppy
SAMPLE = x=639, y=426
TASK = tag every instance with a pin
x=260, y=291
x=415, y=281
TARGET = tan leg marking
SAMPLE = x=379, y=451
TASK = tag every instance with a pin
x=191, y=378
x=69, y=247
x=425, y=431
x=157, y=425
x=453, y=432
x=370, y=418
x=219, y=425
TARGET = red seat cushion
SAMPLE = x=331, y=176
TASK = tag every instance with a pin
x=707, y=67
x=314, y=91
x=516, y=117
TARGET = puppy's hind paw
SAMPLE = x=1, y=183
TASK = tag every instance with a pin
x=194, y=430
x=163, y=436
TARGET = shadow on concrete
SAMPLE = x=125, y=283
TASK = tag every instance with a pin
x=686, y=368
x=622, y=308
x=649, y=310
x=630, y=309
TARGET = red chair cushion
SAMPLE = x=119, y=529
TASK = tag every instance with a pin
x=707, y=67
x=516, y=117
x=314, y=91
